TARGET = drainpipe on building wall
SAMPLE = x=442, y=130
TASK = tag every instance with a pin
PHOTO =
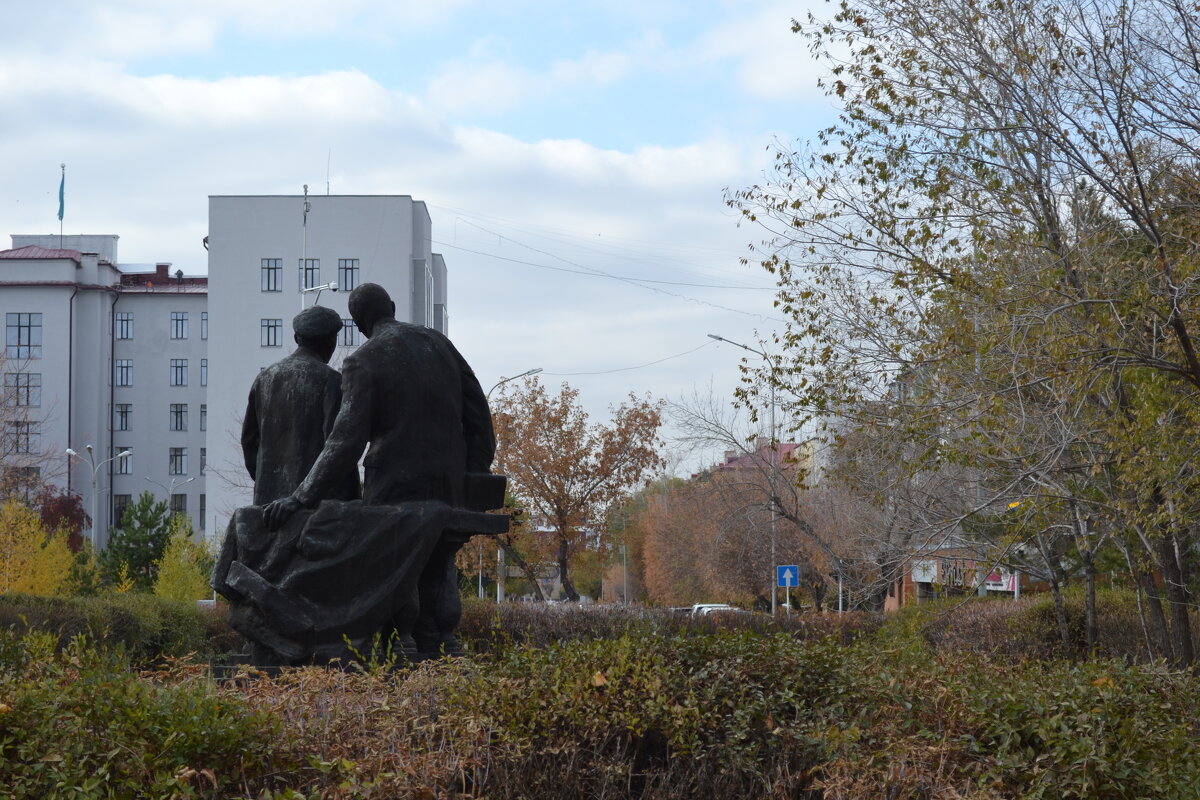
x=112, y=395
x=70, y=375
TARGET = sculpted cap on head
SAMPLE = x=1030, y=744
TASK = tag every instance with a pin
x=317, y=322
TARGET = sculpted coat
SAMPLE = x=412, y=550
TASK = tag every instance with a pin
x=292, y=407
x=408, y=392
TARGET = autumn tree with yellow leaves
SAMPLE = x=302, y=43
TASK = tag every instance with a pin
x=33, y=560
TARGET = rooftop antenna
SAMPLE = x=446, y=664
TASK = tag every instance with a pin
x=62, y=185
x=328, y=158
x=304, y=246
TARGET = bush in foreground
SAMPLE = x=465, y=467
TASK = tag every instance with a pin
x=80, y=723
x=664, y=713
x=144, y=626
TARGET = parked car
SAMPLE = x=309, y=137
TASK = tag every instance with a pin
x=703, y=609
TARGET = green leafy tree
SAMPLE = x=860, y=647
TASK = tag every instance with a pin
x=138, y=544
x=989, y=268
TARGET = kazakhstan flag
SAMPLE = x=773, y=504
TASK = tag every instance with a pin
x=62, y=185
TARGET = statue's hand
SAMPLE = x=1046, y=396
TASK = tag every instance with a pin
x=278, y=512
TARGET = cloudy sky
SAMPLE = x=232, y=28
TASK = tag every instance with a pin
x=574, y=157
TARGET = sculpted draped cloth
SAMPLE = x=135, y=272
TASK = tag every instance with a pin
x=325, y=584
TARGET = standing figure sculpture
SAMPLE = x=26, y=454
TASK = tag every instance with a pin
x=410, y=396
x=292, y=407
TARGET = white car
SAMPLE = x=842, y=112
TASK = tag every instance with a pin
x=701, y=609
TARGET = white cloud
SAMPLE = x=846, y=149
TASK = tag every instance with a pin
x=772, y=62
x=128, y=30
x=592, y=68
x=481, y=88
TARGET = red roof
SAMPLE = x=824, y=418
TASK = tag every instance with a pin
x=35, y=252
x=783, y=451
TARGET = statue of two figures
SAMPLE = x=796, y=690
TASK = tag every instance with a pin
x=322, y=567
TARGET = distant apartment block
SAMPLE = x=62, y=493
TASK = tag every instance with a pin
x=267, y=258
x=102, y=355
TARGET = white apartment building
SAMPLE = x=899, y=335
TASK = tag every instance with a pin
x=91, y=363
x=263, y=253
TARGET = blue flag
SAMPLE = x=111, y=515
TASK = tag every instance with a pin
x=61, y=186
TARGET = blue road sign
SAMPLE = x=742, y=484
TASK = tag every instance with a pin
x=786, y=576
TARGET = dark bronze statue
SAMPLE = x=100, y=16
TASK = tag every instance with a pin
x=313, y=577
x=293, y=404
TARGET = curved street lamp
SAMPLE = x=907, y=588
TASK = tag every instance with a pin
x=774, y=463
x=524, y=374
x=175, y=482
x=95, y=475
x=500, y=550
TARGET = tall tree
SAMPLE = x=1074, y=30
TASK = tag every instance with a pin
x=989, y=261
x=569, y=471
x=137, y=547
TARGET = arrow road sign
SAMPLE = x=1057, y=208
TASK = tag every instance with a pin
x=787, y=575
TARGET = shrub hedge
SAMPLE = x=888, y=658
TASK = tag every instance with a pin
x=491, y=628
x=78, y=722
x=588, y=703
x=147, y=627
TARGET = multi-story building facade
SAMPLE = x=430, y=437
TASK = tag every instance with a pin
x=267, y=258
x=87, y=366
x=103, y=358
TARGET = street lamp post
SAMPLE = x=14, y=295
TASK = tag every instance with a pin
x=95, y=476
x=500, y=565
x=774, y=463
x=624, y=575
x=502, y=381
x=175, y=482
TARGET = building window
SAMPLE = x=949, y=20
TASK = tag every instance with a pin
x=124, y=464
x=177, y=461
x=204, y=372
x=124, y=324
x=22, y=481
x=272, y=274
x=347, y=273
x=23, y=335
x=271, y=332
x=122, y=416
x=203, y=460
x=179, y=504
x=123, y=369
x=178, y=417
x=310, y=272
x=120, y=503
x=179, y=372
x=349, y=336
x=22, y=437
x=203, y=510
x=203, y=417
x=23, y=389
x=179, y=325
x=203, y=324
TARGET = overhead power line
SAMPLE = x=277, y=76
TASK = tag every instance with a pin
x=627, y=369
